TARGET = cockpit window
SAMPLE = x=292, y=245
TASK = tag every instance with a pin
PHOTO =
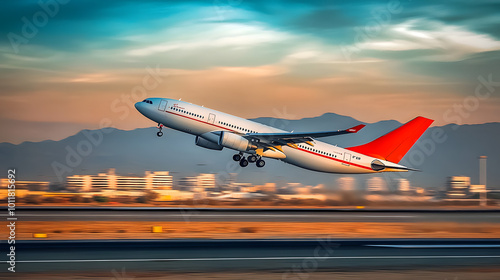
x=147, y=101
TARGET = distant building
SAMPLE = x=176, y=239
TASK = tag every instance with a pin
x=268, y=188
x=306, y=190
x=206, y=181
x=231, y=180
x=458, y=187
x=156, y=180
x=320, y=189
x=403, y=186
x=23, y=188
x=346, y=184
x=376, y=185
x=290, y=188
x=189, y=183
x=477, y=188
x=26, y=185
x=200, y=183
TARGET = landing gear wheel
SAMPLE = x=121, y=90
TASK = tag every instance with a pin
x=159, y=133
x=252, y=158
x=243, y=162
x=237, y=157
x=260, y=163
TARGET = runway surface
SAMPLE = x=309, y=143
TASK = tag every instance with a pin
x=252, y=215
x=288, y=256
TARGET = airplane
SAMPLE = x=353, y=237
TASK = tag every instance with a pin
x=254, y=141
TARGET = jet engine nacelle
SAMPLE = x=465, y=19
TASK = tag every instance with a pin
x=235, y=141
x=208, y=142
x=377, y=165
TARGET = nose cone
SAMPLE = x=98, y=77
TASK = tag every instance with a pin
x=140, y=106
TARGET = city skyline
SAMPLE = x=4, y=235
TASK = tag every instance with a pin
x=140, y=149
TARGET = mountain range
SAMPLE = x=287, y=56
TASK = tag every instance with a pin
x=442, y=151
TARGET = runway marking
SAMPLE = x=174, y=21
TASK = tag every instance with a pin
x=259, y=258
x=436, y=246
x=214, y=215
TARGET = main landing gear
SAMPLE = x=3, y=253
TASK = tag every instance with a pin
x=159, y=133
x=251, y=158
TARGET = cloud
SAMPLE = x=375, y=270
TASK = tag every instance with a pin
x=229, y=36
x=449, y=42
x=261, y=54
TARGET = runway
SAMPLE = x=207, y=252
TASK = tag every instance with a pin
x=253, y=215
x=289, y=256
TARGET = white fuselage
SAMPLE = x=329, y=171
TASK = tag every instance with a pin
x=198, y=120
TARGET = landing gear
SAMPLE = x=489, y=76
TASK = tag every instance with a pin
x=237, y=157
x=243, y=162
x=159, y=133
x=252, y=158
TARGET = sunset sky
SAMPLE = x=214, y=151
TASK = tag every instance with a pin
x=70, y=66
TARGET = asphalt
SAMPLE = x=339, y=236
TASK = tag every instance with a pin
x=252, y=215
x=292, y=257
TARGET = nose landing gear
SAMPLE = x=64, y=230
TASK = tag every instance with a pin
x=159, y=133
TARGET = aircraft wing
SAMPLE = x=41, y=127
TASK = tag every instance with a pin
x=298, y=137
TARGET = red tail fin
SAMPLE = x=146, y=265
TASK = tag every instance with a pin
x=394, y=145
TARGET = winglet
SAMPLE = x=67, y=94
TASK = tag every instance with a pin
x=356, y=128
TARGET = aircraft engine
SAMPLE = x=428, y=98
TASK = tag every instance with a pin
x=208, y=141
x=235, y=141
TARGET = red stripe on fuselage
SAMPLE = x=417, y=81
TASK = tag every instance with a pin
x=339, y=160
x=300, y=149
x=200, y=121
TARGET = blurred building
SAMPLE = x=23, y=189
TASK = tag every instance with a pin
x=291, y=188
x=321, y=189
x=458, y=187
x=199, y=183
x=23, y=188
x=305, y=190
x=346, y=184
x=26, y=185
x=243, y=187
x=403, y=186
x=231, y=180
x=376, y=185
x=152, y=180
x=482, y=189
x=206, y=181
x=477, y=189
x=187, y=183
x=268, y=188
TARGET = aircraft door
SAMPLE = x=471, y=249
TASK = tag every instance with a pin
x=347, y=158
x=162, y=106
x=211, y=118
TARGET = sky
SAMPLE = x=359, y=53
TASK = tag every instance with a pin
x=68, y=65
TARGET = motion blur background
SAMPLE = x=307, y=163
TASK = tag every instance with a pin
x=89, y=166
